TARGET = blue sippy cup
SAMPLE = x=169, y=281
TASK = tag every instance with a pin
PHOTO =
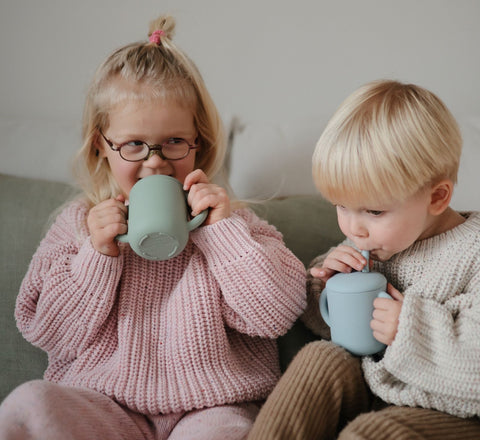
x=346, y=305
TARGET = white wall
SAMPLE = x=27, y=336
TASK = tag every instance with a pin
x=274, y=63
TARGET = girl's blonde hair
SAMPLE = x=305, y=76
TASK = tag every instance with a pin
x=141, y=71
x=385, y=142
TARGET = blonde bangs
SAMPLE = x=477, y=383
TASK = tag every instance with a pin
x=349, y=176
x=385, y=142
x=119, y=90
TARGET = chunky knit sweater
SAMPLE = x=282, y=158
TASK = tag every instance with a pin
x=434, y=361
x=163, y=336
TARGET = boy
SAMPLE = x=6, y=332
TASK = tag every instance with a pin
x=388, y=160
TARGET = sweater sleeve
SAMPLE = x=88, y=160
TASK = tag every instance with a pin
x=436, y=348
x=68, y=290
x=311, y=317
x=261, y=280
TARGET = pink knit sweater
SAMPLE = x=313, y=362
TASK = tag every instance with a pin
x=163, y=336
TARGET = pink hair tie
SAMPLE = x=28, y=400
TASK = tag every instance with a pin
x=156, y=36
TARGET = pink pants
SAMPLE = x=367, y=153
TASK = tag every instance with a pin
x=44, y=410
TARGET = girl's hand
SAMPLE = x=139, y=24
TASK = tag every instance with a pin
x=204, y=194
x=342, y=259
x=385, y=316
x=105, y=221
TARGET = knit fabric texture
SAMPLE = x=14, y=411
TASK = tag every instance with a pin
x=194, y=331
x=434, y=361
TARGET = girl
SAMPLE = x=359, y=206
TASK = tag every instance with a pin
x=388, y=159
x=182, y=348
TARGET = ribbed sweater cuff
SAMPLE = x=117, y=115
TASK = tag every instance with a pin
x=94, y=270
x=416, y=336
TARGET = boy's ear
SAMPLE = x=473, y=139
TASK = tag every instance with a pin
x=440, y=196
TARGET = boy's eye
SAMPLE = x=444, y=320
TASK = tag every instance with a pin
x=375, y=213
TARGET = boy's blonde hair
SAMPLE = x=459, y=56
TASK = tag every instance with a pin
x=384, y=143
x=144, y=71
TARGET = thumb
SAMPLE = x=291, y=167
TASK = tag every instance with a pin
x=394, y=293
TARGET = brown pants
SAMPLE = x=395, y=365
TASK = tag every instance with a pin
x=323, y=395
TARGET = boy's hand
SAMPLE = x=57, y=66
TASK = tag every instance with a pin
x=204, y=194
x=385, y=316
x=105, y=221
x=342, y=259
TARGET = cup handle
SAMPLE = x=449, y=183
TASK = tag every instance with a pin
x=384, y=295
x=196, y=221
x=324, y=307
x=123, y=238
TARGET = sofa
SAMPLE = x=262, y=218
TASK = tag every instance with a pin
x=307, y=222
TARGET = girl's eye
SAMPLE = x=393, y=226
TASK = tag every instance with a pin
x=375, y=213
x=133, y=147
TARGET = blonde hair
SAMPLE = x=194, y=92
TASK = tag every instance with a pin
x=385, y=142
x=150, y=70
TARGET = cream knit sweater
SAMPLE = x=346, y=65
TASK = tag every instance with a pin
x=434, y=361
x=197, y=330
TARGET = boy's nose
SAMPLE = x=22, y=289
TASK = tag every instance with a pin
x=358, y=229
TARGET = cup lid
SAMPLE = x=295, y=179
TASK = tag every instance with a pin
x=356, y=282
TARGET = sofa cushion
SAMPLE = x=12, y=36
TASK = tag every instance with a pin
x=308, y=224
x=25, y=207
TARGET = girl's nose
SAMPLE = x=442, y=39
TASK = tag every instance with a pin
x=154, y=160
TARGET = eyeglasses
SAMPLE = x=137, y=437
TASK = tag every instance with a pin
x=135, y=151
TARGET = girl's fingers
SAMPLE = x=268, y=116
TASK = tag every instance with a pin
x=207, y=195
x=196, y=176
x=105, y=221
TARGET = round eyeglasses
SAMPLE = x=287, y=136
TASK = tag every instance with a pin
x=135, y=151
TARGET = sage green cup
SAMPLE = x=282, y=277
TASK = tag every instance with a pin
x=158, y=218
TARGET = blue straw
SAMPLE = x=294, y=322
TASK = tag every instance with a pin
x=366, y=254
